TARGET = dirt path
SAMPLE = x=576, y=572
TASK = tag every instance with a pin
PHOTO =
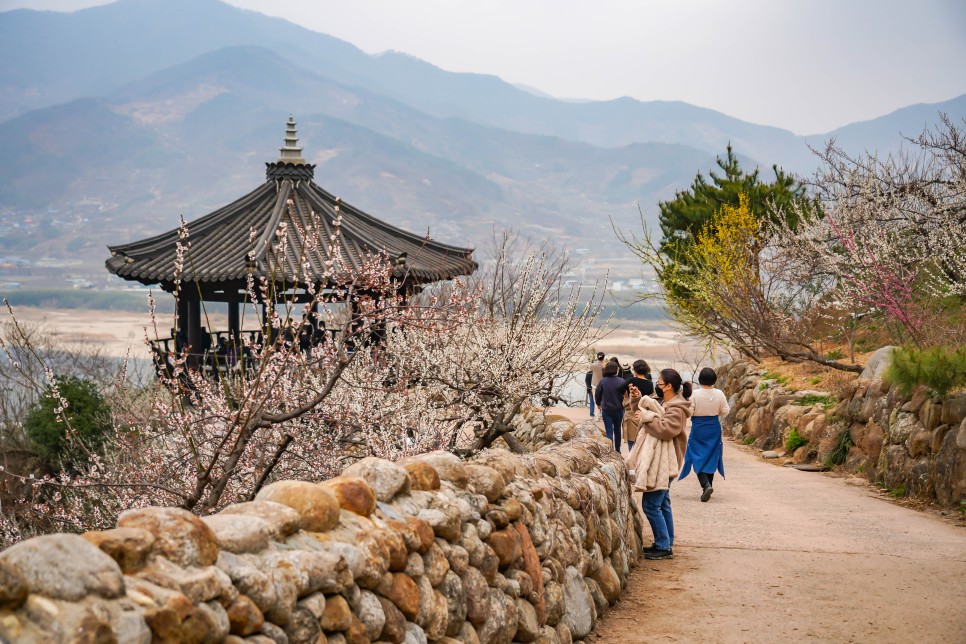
x=779, y=555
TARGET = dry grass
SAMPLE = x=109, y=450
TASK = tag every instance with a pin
x=809, y=375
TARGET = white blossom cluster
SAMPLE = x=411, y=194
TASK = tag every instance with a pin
x=446, y=368
x=891, y=230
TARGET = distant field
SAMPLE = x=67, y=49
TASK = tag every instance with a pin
x=114, y=332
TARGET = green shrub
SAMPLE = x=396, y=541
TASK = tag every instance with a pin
x=88, y=414
x=794, y=441
x=814, y=380
x=834, y=354
x=811, y=399
x=941, y=369
x=782, y=380
x=897, y=492
x=748, y=440
x=842, y=446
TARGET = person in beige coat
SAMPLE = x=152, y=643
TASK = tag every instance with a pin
x=639, y=384
x=657, y=457
x=631, y=424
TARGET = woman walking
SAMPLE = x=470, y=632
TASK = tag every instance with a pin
x=611, y=402
x=656, y=458
x=705, y=451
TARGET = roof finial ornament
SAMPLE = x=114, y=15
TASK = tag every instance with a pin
x=291, y=152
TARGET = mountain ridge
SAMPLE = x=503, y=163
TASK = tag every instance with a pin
x=154, y=108
x=206, y=25
x=177, y=154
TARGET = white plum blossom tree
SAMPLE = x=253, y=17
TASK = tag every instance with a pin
x=446, y=368
x=892, y=237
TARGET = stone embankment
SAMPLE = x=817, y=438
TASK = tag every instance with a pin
x=500, y=548
x=912, y=445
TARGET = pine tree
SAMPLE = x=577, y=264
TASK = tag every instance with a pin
x=87, y=412
x=683, y=218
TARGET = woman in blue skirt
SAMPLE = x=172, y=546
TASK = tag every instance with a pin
x=704, y=453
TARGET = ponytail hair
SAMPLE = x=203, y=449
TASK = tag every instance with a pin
x=673, y=378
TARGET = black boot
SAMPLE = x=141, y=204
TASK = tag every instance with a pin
x=706, y=491
x=659, y=554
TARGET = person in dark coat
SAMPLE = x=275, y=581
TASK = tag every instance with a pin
x=620, y=369
x=640, y=378
x=611, y=402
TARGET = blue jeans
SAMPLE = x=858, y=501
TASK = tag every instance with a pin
x=657, y=509
x=590, y=397
x=612, y=426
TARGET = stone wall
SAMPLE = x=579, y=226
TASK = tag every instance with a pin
x=502, y=548
x=913, y=445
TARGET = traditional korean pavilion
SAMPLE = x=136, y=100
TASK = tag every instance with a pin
x=219, y=261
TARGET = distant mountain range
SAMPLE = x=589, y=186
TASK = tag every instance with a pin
x=141, y=110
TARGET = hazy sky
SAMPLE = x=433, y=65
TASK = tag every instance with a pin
x=805, y=65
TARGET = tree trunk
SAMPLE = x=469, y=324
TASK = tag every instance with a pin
x=271, y=466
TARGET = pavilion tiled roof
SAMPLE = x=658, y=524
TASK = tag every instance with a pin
x=221, y=242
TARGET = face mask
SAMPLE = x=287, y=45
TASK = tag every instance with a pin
x=659, y=392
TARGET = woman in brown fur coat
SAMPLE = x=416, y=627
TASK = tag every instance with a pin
x=657, y=457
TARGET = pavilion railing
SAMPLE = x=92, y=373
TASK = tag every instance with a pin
x=219, y=355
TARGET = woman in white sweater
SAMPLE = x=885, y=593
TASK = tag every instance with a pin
x=705, y=450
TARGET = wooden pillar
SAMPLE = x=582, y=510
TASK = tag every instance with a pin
x=181, y=324
x=194, y=331
x=234, y=320
x=403, y=290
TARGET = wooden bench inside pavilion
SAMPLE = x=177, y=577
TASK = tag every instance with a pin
x=234, y=243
